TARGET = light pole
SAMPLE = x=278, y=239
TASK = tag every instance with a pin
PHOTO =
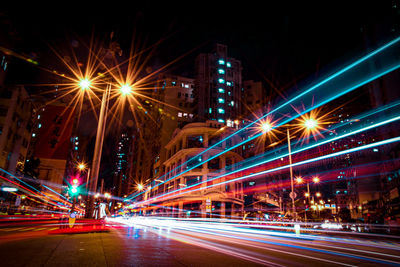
x=309, y=124
x=292, y=196
x=300, y=180
x=93, y=174
x=82, y=167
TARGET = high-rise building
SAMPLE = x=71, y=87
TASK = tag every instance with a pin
x=218, y=87
x=176, y=103
x=15, y=115
x=51, y=141
x=124, y=160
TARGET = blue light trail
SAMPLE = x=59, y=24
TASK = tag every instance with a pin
x=336, y=85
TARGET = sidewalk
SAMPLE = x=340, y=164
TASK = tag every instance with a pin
x=89, y=249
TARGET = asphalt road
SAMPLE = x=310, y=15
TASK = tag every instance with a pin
x=187, y=245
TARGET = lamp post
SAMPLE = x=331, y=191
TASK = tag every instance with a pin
x=93, y=173
x=292, y=193
x=82, y=167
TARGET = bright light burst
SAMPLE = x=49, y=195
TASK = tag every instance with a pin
x=84, y=84
x=310, y=124
x=125, y=89
x=266, y=127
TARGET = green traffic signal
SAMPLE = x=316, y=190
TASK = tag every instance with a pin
x=74, y=190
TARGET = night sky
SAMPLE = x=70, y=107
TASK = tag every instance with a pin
x=279, y=42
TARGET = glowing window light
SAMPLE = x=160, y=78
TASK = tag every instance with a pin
x=221, y=111
x=221, y=62
x=221, y=90
x=221, y=120
x=221, y=71
x=221, y=100
x=220, y=80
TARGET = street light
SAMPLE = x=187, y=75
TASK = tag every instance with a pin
x=125, y=89
x=266, y=127
x=81, y=166
x=308, y=124
x=140, y=187
x=84, y=84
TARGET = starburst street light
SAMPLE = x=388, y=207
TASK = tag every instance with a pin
x=84, y=84
x=140, y=187
x=125, y=89
x=299, y=180
x=266, y=127
x=81, y=166
x=310, y=124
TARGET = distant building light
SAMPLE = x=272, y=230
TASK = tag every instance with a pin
x=221, y=120
x=221, y=90
x=228, y=64
x=33, y=134
x=221, y=100
x=221, y=71
x=221, y=62
x=220, y=80
x=221, y=111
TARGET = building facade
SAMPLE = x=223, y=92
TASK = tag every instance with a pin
x=218, y=86
x=208, y=196
x=15, y=115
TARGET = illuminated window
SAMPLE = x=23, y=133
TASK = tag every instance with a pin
x=228, y=64
x=221, y=62
x=210, y=110
x=221, y=120
x=221, y=71
x=220, y=80
x=229, y=83
x=221, y=111
x=179, y=114
x=221, y=100
x=221, y=90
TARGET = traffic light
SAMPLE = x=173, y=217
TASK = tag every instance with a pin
x=74, y=189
